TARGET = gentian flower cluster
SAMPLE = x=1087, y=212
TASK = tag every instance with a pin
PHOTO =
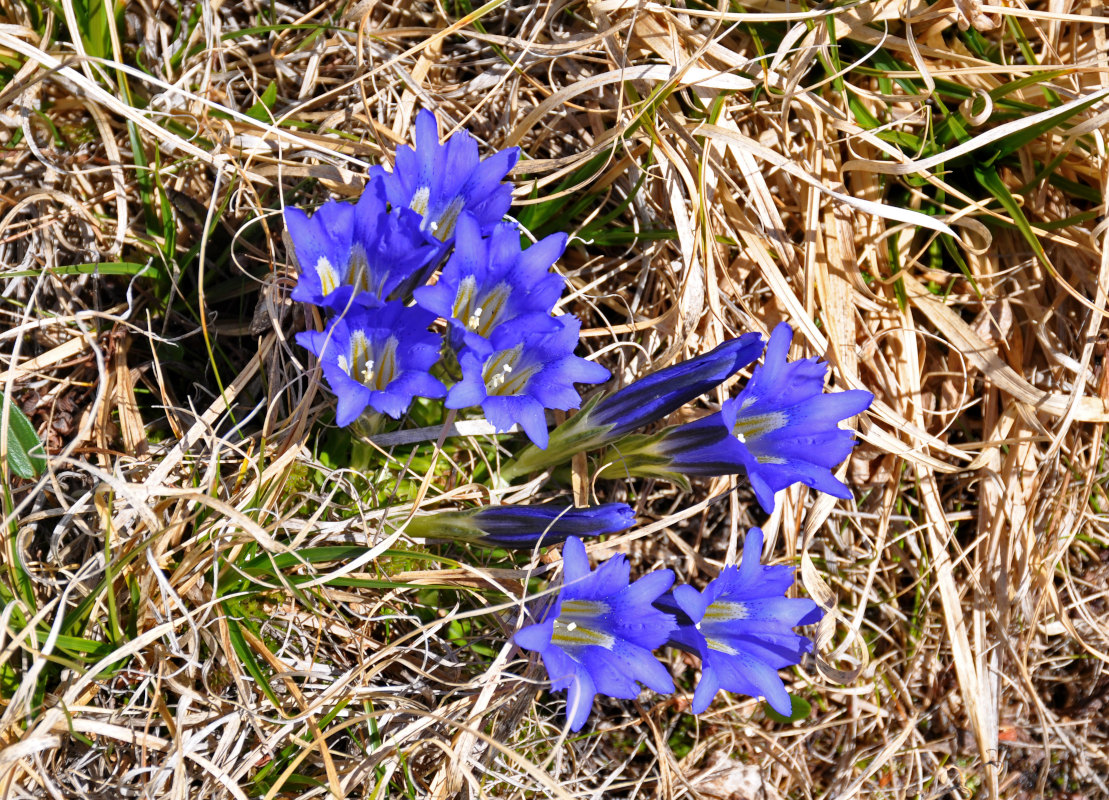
x=598, y=635
x=428, y=292
x=368, y=267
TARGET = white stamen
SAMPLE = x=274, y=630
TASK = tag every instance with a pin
x=572, y=626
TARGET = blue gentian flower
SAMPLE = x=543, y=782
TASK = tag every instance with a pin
x=780, y=430
x=787, y=428
x=358, y=254
x=524, y=374
x=742, y=628
x=377, y=358
x=647, y=400
x=489, y=282
x=522, y=527
x=440, y=181
x=321, y=248
x=597, y=636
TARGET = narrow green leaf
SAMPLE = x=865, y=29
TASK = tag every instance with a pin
x=100, y=268
x=991, y=182
x=1010, y=144
x=26, y=457
x=246, y=655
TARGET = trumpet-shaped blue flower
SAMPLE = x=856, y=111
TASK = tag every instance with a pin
x=377, y=358
x=781, y=429
x=440, y=181
x=597, y=637
x=645, y=401
x=522, y=527
x=489, y=282
x=358, y=254
x=524, y=374
x=742, y=628
x=787, y=428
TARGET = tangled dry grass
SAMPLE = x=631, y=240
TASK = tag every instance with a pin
x=201, y=597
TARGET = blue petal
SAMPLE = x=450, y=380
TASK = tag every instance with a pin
x=744, y=674
x=352, y=402
x=645, y=667
x=608, y=579
x=706, y=690
x=690, y=601
x=610, y=674
x=579, y=700
x=535, y=637
x=776, y=650
x=504, y=411
x=644, y=592
x=561, y=668
x=575, y=563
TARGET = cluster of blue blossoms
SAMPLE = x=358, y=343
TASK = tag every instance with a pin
x=427, y=292
x=368, y=265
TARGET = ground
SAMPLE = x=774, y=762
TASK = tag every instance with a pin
x=201, y=594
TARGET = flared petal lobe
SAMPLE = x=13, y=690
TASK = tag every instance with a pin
x=787, y=428
x=358, y=255
x=523, y=374
x=489, y=283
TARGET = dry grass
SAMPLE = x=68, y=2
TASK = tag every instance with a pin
x=173, y=623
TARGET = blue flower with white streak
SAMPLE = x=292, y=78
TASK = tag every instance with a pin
x=378, y=359
x=741, y=626
x=489, y=282
x=358, y=255
x=524, y=374
x=780, y=430
x=597, y=636
x=787, y=428
x=440, y=181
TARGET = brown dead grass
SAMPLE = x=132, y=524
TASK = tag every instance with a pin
x=967, y=649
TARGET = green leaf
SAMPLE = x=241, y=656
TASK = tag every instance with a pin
x=991, y=182
x=262, y=109
x=800, y=709
x=26, y=457
x=1010, y=144
x=96, y=268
